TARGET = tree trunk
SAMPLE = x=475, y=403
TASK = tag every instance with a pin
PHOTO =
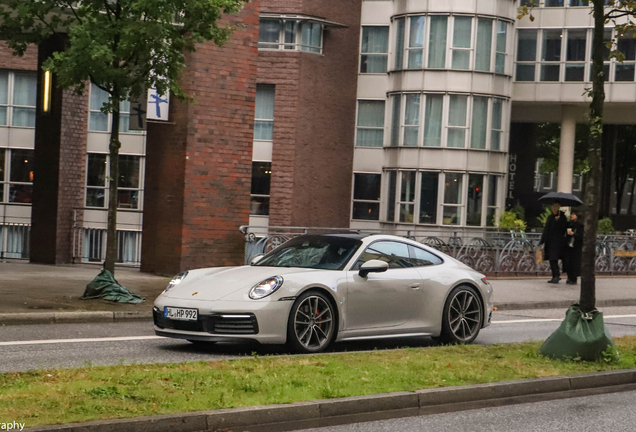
x=592, y=193
x=111, y=232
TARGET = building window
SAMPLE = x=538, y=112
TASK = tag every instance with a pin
x=418, y=199
x=390, y=208
x=526, y=55
x=491, y=211
x=366, y=196
x=624, y=71
x=433, y=120
x=479, y=126
x=551, y=55
x=462, y=30
x=264, y=112
x=101, y=122
x=128, y=186
x=452, y=206
x=374, y=50
x=496, y=131
x=411, y=119
x=311, y=37
x=96, y=180
x=24, y=99
x=399, y=43
x=407, y=196
x=485, y=124
x=290, y=34
x=483, y=48
x=261, y=181
x=607, y=40
x=370, y=125
x=415, y=47
x=395, y=121
x=474, y=201
x=16, y=172
x=502, y=38
x=457, y=125
x=437, y=42
x=428, y=197
x=17, y=98
x=575, y=55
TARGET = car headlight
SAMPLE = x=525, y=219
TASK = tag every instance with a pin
x=176, y=281
x=266, y=287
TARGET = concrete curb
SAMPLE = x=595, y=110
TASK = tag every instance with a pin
x=561, y=304
x=367, y=408
x=118, y=316
x=72, y=317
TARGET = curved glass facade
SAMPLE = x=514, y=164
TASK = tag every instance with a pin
x=433, y=113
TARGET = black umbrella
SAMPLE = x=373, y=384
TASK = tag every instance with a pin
x=565, y=199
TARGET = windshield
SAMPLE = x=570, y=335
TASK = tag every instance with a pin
x=317, y=252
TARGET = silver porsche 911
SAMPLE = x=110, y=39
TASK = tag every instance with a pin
x=317, y=289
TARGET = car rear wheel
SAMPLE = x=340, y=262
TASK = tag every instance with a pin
x=312, y=323
x=463, y=316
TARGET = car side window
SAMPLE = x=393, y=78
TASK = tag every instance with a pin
x=394, y=253
x=422, y=258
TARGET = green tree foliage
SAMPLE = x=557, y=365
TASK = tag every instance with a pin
x=548, y=142
x=123, y=47
x=605, y=226
x=509, y=221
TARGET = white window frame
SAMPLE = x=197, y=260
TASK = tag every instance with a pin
x=10, y=95
x=354, y=200
x=106, y=187
x=383, y=128
x=297, y=45
x=123, y=115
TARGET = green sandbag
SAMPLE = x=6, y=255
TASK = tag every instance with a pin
x=580, y=335
x=105, y=287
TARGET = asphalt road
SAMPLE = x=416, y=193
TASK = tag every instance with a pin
x=609, y=412
x=70, y=345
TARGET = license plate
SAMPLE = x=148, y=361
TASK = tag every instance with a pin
x=180, y=314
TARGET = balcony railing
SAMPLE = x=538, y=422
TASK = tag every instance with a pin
x=489, y=251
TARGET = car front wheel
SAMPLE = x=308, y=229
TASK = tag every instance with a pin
x=463, y=316
x=312, y=323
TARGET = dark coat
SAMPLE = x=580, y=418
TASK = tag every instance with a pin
x=574, y=247
x=554, y=237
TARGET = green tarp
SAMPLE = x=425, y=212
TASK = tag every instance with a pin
x=105, y=287
x=580, y=335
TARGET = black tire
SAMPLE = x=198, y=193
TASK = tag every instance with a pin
x=463, y=316
x=312, y=322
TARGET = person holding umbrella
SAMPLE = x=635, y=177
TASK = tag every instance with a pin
x=554, y=232
x=553, y=238
x=574, y=240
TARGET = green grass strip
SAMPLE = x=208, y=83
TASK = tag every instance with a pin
x=95, y=393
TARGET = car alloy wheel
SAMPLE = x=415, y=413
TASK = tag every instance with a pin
x=311, y=326
x=463, y=316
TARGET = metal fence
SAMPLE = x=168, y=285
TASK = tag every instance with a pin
x=15, y=241
x=89, y=246
x=489, y=251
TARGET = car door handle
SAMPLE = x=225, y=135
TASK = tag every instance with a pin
x=415, y=286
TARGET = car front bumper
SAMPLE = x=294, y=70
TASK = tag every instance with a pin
x=263, y=321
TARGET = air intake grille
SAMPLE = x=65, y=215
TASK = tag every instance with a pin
x=213, y=324
x=235, y=324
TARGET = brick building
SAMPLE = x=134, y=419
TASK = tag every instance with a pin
x=371, y=114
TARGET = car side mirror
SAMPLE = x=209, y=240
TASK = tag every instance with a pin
x=373, y=266
x=256, y=259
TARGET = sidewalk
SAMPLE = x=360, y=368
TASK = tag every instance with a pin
x=26, y=287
